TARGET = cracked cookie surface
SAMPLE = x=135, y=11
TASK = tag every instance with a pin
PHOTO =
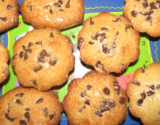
x=59, y=14
x=26, y=106
x=144, y=15
x=95, y=99
x=144, y=93
x=43, y=58
x=108, y=44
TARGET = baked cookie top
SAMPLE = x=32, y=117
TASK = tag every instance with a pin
x=28, y=106
x=4, y=57
x=144, y=94
x=95, y=99
x=8, y=14
x=43, y=58
x=108, y=43
x=144, y=15
x=59, y=14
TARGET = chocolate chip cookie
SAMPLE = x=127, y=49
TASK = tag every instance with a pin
x=28, y=106
x=43, y=58
x=95, y=99
x=108, y=43
x=144, y=15
x=4, y=57
x=8, y=14
x=144, y=92
x=59, y=14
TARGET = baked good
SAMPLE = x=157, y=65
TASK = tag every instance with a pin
x=4, y=57
x=108, y=43
x=8, y=14
x=59, y=14
x=28, y=106
x=43, y=58
x=144, y=15
x=95, y=99
x=144, y=92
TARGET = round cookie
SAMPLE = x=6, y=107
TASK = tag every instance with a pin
x=4, y=57
x=43, y=58
x=144, y=94
x=144, y=15
x=59, y=14
x=8, y=14
x=108, y=44
x=28, y=106
x=95, y=99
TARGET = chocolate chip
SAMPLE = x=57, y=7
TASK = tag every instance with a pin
x=98, y=113
x=152, y=6
x=152, y=87
x=106, y=91
x=103, y=36
x=51, y=35
x=139, y=102
x=27, y=109
x=37, y=68
x=122, y=100
x=19, y=94
x=61, y=10
x=80, y=41
x=103, y=109
x=103, y=102
x=111, y=103
x=52, y=61
x=40, y=100
x=51, y=11
x=91, y=21
x=117, y=33
x=14, y=57
x=127, y=27
x=104, y=48
x=29, y=50
x=117, y=20
x=115, y=83
x=133, y=13
x=57, y=5
x=39, y=43
x=22, y=122
x=45, y=112
x=100, y=65
x=21, y=54
x=25, y=56
x=48, y=6
x=82, y=108
x=149, y=93
x=136, y=83
x=34, y=82
x=9, y=7
x=143, y=95
x=60, y=2
x=89, y=87
x=73, y=36
x=143, y=69
x=52, y=115
x=9, y=118
x=41, y=59
x=104, y=29
x=91, y=43
x=18, y=101
x=145, y=5
x=83, y=93
x=94, y=36
x=27, y=115
x=158, y=86
x=68, y=4
x=114, y=45
x=4, y=19
x=87, y=102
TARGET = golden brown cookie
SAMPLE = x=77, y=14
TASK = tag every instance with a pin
x=8, y=14
x=144, y=15
x=144, y=94
x=28, y=106
x=4, y=57
x=43, y=58
x=108, y=43
x=95, y=99
x=59, y=14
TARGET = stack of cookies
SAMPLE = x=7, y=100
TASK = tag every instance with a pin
x=43, y=59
